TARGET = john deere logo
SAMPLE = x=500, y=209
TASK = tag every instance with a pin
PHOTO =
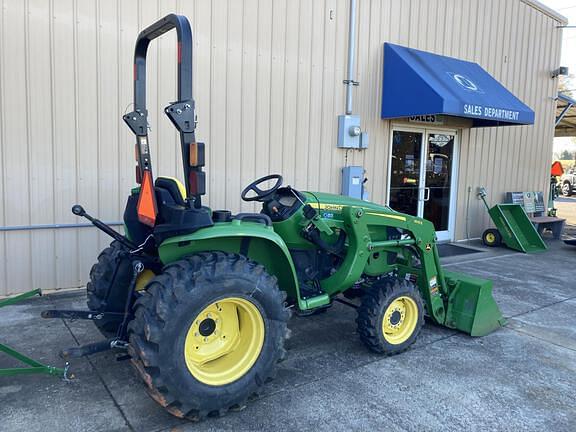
x=465, y=82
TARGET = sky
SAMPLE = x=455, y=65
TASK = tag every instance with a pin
x=568, y=9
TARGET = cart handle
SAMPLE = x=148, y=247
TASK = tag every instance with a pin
x=481, y=194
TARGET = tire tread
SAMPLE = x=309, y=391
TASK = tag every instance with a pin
x=165, y=292
x=374, y=302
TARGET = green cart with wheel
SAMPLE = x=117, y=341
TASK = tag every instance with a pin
x=513, y=228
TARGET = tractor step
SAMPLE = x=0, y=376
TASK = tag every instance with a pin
x=315, y=311
x=315, y=302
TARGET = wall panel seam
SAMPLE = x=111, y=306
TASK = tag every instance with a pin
x=3, y=264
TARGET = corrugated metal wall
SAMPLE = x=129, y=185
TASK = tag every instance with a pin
x=268, y=87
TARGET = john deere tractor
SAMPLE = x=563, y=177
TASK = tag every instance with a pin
x=201, y=298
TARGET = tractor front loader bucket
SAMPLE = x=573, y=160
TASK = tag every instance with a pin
x=471, y=307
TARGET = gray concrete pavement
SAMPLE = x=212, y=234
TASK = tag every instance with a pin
x=522, y=377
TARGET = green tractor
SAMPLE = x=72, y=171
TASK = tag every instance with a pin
x=201, y=298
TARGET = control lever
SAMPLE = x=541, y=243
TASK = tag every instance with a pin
x=78, y=210
x=314, y=219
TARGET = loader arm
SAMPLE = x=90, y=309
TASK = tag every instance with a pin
x=361, y=246
x=453, y=300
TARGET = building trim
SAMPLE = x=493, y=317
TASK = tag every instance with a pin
x=547, y=11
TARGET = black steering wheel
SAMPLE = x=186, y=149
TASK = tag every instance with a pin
x=261, y=194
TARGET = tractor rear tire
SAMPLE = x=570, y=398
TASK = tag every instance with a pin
x=492, y=237
x=97, y=290
x=390, y=316
x=177, y=338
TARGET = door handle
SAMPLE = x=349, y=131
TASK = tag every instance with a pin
x=426, y=193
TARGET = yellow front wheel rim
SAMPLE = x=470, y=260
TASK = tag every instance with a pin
x=490, y=238
x=400, y=319
x=224, y=341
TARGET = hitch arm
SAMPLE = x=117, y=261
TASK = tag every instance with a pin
x=92, y=348
x=79, y=314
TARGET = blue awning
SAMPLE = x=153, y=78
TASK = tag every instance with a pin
x=421, y=83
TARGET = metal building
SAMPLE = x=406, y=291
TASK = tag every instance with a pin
x=268, y=84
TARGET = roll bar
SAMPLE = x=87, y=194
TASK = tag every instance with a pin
x=184, y=34
x=181, y=113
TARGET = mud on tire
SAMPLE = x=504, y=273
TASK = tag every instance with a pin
x=169, y=307
x=108, y=269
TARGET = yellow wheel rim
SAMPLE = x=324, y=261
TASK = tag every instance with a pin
x=400, y=319
x=224, y=341
x=143, y=279
x=490, y=237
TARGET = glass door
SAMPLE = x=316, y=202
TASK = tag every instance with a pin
x=438, y=182
x=405, y=172
x=421, y=179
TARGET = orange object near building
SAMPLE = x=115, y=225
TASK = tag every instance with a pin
x=147, y=209
x=557, y=169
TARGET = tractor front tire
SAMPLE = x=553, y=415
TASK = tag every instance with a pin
x=390, y=316
x=107, y=277
x=207, y=333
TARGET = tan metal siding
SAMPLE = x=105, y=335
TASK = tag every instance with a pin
x=268, y=87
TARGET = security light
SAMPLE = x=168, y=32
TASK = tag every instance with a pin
x=562, y=70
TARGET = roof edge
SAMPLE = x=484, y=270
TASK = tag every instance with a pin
x=547, y=11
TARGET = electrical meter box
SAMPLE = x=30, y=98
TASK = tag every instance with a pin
x=350, y=136
x=353, y=181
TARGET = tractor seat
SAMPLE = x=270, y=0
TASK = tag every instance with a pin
x=175, y=216
x=174, y=187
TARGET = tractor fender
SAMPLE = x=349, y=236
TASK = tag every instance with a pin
x=253, y=240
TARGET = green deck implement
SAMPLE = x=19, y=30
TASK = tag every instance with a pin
x=35, y=367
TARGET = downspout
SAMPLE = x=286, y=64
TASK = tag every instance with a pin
x=350, y=135
x=349, y=81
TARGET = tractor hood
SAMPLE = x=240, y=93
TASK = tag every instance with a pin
x=332, y=202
